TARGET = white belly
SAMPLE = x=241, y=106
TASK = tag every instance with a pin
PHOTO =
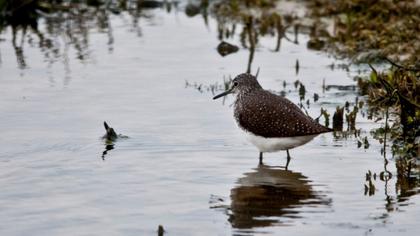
x=277, y=144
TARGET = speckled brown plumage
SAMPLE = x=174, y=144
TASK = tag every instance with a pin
x=268, y=115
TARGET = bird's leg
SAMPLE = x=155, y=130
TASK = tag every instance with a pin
x=261, y=158
x=288, y=158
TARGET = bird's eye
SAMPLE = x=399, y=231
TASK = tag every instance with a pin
x=235, y=83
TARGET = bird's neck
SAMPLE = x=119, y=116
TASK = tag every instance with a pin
x=246, y=92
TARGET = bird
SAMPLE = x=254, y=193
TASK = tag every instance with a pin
x=110, y=135
x=271, y=122
x=110, y=138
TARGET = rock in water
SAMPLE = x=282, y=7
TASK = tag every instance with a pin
x=225, y=48
x=150, y=4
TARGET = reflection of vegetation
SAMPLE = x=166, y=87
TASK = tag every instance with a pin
x=67, y=24
x=255, y=17
x=21, y=16
x=404, y=187
x=369, y=186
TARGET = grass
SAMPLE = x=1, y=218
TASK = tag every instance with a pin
x=386, y=32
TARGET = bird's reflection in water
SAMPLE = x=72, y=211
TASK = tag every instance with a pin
x=108, y=147
x=268, y=193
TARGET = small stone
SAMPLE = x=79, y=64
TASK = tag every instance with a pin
x=225, y=48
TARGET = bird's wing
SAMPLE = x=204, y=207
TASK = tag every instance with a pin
x=270, y=115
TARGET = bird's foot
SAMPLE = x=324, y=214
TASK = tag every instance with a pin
x=288, y=160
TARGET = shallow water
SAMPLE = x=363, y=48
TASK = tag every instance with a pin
x=185, y=165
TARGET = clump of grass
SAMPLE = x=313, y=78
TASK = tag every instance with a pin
x=213, y=88
x=367, y=29
x=326, y=116
x=395, y=93
x=302, y=91
x=351, y=118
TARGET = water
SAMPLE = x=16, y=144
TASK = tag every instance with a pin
x=185, y=165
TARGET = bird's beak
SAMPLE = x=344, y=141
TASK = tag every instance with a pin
x=224, y=93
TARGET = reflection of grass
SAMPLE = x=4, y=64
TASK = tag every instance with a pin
x=68, y=24
x=255, y=19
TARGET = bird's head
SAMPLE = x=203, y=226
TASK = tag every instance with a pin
x=242, y=83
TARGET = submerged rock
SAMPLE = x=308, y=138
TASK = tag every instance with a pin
x=225, y=48
x=149, y=4
x=192, y=10
x=316, y=44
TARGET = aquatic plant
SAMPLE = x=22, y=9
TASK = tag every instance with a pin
x=395, y=93
x=213, y=88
